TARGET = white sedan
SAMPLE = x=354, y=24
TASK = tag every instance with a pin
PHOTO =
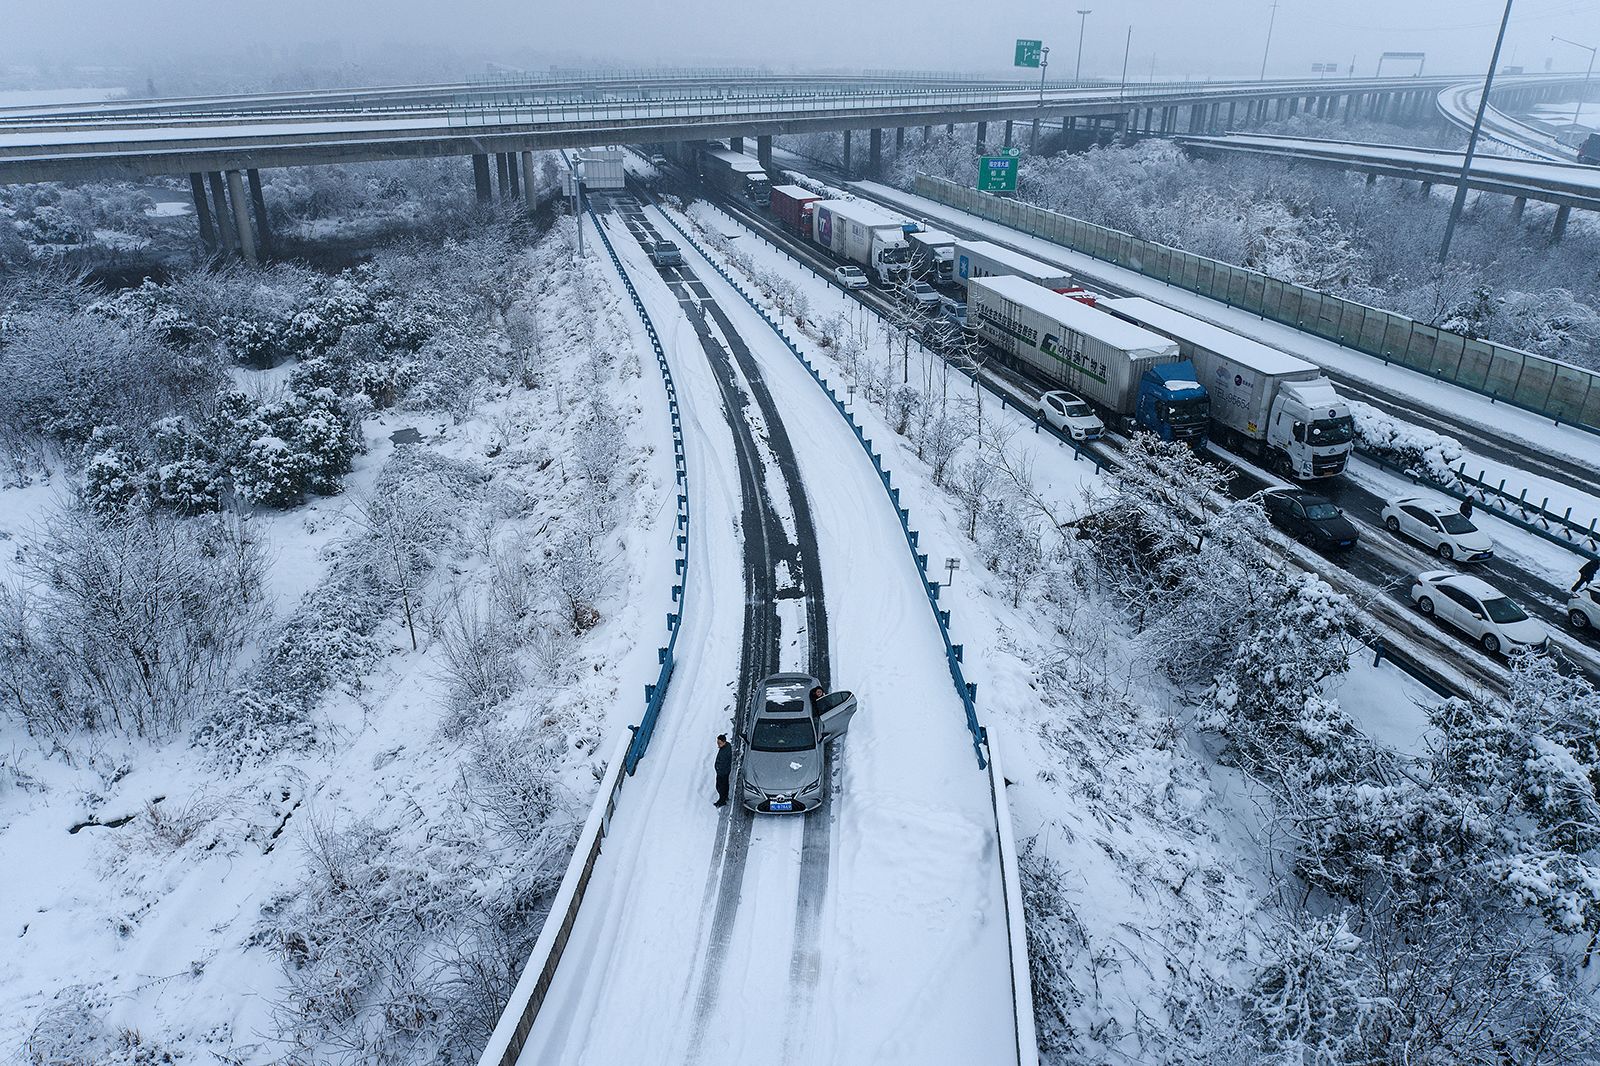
x=851, y=277
x=1479, y=610
x=1071, y=416
x=1583, y=607
x=1439, y=526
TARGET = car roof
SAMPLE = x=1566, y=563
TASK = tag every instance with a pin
x=1065, y=395
x=1305, y=495
x=1472, y=586
x=1427, y=503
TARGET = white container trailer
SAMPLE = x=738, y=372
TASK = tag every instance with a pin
x=602, y=169
x=864, y=234
x=1264, y=402
x=1128, y=371
x=981, y=259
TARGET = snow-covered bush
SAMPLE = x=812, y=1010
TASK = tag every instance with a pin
x=1311, y=997
x=1420, y=452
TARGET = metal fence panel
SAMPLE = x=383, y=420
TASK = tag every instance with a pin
x=1567, y=393
x=1504, y=370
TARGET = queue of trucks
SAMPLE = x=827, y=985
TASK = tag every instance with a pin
x=1146, y=365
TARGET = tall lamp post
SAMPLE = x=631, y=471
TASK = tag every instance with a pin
x=1126, y=48
x=1271, y=20
x=1472, y=141
x=1083, y=19
x=1583, y=94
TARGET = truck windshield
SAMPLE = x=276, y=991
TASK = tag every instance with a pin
x=1332, y=431
x=783, y=734
x=898, y=253
x=1186, y=412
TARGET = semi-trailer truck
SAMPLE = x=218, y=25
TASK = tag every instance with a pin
x=791, y=205
x=866, y=235
x=1136, y=376
x=1265, y=403
x=736, y=174
x=933, y=255
x=981, y=259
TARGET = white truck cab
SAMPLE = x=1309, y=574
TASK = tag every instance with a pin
x=1310, y=428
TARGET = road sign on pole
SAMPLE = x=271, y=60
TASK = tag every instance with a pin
x=998, y=173
x=1028, y=54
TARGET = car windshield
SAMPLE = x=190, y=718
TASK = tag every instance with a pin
x=1454, y=523
x=783, y=734
x=1332, y=431
x=1321, y=511
x=1503, y=610
x=1079, y=410
x=666, y=246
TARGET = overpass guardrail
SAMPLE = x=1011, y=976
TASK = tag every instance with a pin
x=1559, y=391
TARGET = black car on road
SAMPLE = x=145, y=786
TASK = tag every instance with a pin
x=1308, y=517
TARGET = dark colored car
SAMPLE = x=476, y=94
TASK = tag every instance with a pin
x=1314, y=519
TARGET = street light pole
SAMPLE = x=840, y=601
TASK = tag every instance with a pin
x=1125, y=49
x=1472, y=141
x=1583, y=94
x=1038, y=119
x=1271, y=19
x=1083, y=19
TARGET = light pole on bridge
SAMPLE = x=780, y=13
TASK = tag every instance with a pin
x=1271, y=19
x=1472, y=141
x=1577, y=112
x=1083, y=20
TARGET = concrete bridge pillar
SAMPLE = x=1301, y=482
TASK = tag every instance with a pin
x=202, y=212
x=1518, y=205
x=241, y=218
x=874, y=152
x=736, y=144
x=501, y=175
x=983, y=136
x=1563, y=213
x=480, y=176
x=1426, y=189
x=764, y=151
x=258, y=201
x=511, y=172
x=927, y=133
x=900, y=138
x=1149, y=120
x=1294, y=106
x=1231, y=105
x=226, y=239
x=1372, y=179
x=1007, y=139
x=528, y=191
x=847, y=153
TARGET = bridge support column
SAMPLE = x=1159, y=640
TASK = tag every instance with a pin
x=927, y=134
x=847, y=153
x=511, y=172
x=529, y=194
x=874, y=152
x=226, y=238
x=258, y=201
x=950, y=130
x=1372, y=179
x=1231, y=105
x=1563, y=213
x=480, y=177
x=1518, y=205
x=1149, y=120
x=983, y=135
x=899, y=139
x=202, y=212
x=1294, y=106
x=1007, y=139
x=764, y=151
x=241, y=218
x=736, y=144
x=500, y=174
x=1426, y=189
x=1349, y=108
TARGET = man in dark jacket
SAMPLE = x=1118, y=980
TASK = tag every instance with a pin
x=1587, y=573
x=724, y=768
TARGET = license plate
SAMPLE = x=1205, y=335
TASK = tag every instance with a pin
x=781, y=806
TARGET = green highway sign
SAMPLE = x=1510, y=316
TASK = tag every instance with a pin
x=997, y=173
x=1028, y=53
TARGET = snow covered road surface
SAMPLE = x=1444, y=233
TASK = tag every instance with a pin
x=908, y=960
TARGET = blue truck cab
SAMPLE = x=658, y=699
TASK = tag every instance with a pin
x=1173, y=404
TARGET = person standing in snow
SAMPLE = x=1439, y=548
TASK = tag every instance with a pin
x=1587, y=573
x=724, y=767
x=1466, y=507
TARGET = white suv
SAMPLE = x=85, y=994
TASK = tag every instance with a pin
x=1583, y=607
x=851, y=277
x=1071, y=416
x=1479, y=610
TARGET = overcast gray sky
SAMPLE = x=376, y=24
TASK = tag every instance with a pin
x=1195, y=37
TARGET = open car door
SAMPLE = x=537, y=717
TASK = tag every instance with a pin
x=834, y=712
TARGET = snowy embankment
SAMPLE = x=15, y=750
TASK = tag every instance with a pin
x=1513, y=424
x=346, y=893
x=1133, y=839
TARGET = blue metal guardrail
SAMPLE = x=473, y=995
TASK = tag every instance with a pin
x=656, y=693
x=966, y=690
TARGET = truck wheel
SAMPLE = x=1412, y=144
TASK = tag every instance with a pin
x=1392, y=524
x=1425, y=605
x=1578, y=619
x=1491, y=644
